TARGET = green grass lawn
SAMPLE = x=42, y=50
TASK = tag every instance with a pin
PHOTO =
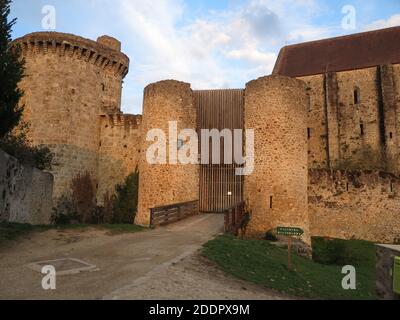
x=263, y=263
x=11, y=231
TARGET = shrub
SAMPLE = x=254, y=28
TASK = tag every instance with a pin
x=332, y=251
x=17, y=145
x=126, y=200
x=81, y=206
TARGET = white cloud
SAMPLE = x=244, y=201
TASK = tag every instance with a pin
x=309, y=33
x=175, y=39
x=253, y=55
x=218, y=49
x=393, y=21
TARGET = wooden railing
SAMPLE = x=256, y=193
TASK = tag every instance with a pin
x=233, y=218
x=164, y=215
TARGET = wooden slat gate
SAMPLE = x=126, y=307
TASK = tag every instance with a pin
x=220, y=187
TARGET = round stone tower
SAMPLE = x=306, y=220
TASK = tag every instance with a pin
x=70, y=81
x=276, y=109
x=171, y=182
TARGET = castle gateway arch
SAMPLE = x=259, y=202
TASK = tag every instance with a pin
x=220, y=188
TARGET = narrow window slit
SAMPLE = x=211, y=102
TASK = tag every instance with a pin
x=357, y=95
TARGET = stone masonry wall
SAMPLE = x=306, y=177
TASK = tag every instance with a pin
x=165, y=184
x=25, y=192
x=69, y=83
x=276, y=108
x=349, y=134
x=317, y=142
x=119, y=151
x=355, y=204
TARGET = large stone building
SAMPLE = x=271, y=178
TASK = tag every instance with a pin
x=72, y=97
x=326, y=132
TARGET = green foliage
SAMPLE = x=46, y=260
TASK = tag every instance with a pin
x=18, y=146
x=11, y=73
x=81, y=206
x=126, y=200
x=263, y=263
x=12, y=132
x=340, y=252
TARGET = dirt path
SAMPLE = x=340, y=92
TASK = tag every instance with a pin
x=154, y=264
x=194, y=277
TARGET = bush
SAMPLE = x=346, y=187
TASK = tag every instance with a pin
x=81, y=206
x=17, y=145
x=332, y=251
x=126, y=200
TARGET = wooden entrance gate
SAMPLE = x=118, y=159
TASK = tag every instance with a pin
x=220, y=187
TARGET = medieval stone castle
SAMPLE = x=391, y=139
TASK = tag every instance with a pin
x=326, y=126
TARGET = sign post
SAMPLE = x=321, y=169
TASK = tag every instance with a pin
x=290, y=232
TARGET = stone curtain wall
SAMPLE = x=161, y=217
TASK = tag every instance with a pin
x=69, y=83
x=317, y=142
x=166, y=184
x=119, y=151
x=355, y=204
x=349, y=135
x=25, y=192
x=275, y=107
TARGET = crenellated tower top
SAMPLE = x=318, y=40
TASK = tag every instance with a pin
x=104, y=53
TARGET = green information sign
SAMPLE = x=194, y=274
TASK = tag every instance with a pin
x=289, y=231
x=396, y=275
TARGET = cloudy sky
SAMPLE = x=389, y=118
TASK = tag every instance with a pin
x=210, y=43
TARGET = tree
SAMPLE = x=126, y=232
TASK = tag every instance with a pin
x=13, y=131
x=11, y=73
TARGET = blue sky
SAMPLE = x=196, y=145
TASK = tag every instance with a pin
x=211, y=44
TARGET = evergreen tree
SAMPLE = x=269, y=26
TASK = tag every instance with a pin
x=15, y=142
x=11, y=73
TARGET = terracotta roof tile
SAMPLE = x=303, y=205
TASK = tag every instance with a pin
x=357, y=51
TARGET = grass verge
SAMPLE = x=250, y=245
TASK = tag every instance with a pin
x=11, y=231
x=263, y=263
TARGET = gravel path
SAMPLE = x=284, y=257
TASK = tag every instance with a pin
x=153, y=264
